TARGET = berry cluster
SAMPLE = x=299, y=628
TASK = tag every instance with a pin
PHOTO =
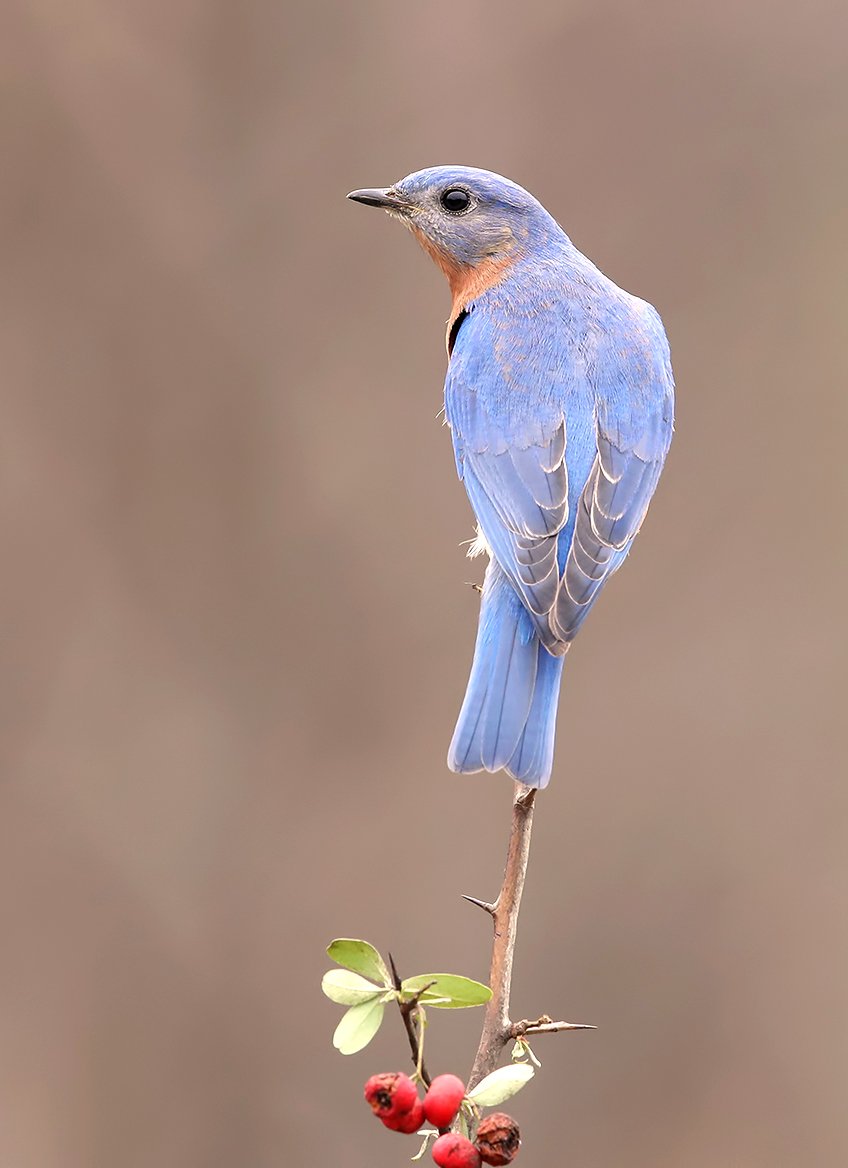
x=394, y=1100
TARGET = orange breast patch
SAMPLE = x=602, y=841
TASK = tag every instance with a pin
x=466, y=281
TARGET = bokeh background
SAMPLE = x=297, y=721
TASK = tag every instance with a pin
x=236, y=628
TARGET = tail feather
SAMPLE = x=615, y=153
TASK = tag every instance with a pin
x=508, y=717
x=534, y=756
x=512, y=676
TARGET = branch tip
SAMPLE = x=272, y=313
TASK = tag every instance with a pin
x=524, y=796
x=395, y=975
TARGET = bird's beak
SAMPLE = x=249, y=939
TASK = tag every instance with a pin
x=386, y=198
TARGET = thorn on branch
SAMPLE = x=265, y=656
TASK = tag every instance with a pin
x=416, y=997
x=544, y=1025
x=491, y=909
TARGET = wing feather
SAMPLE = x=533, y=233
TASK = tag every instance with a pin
x=560, y=460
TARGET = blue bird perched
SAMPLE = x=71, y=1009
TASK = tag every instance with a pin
x=559, y=396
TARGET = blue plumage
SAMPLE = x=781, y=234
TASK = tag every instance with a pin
x=559, y=396
x=508, y=715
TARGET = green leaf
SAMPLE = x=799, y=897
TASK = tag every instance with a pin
x=360, y=957
x=358, y=1026
x=449, y=991
x=349, y=989
x=502, y=1084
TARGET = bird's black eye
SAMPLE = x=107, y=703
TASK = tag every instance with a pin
x=455, y=200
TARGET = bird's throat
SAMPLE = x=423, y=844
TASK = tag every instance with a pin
x=466, y=281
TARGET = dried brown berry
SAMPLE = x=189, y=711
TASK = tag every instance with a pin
x=408, y=1122
x=391, y=1095
x=441, y=1103
x=454, y=1151
x=498, y=1139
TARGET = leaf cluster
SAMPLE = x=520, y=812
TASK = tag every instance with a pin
x=365, y=985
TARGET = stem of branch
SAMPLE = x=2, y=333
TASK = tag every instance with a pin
x=412, y=1023
x=497, y=1028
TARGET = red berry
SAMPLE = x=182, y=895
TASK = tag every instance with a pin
x=455, y=1151
x=498, y=1139
x=391, y=1095
x=409, y=1122
x=441, y=1103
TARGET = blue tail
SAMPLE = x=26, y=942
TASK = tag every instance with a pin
x=508, y=717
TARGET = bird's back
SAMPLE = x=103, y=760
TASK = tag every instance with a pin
x=556, y=344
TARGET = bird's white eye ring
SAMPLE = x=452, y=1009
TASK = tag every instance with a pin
x=455, y=200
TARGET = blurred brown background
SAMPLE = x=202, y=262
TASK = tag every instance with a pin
x=236, y=630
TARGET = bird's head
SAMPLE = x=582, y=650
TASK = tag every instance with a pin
x=467, y=220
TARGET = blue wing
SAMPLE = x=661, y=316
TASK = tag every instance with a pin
x=561, y=423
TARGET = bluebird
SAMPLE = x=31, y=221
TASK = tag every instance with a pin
x=559, y=396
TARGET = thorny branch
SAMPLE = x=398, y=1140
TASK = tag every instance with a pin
x=411, y=1016
x=504, y=913
x=498, y=1030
